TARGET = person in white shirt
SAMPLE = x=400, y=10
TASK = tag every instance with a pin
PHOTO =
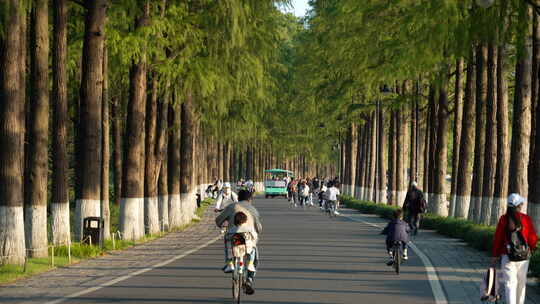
x=333, y=195
x=226, y=197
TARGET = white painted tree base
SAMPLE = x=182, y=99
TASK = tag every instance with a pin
x=382, y=197
x=106, y=220
x=174, y=211
x=439, y=204
x=151, y=215
x=401, y=197
x=60, y=224
x=462, y=206
x=163, y=211
x=85, y=208
x=129, y=218
x=499, y=208
x=36, y=231
x=474, y=209
x=12, y=243
x=142, y=228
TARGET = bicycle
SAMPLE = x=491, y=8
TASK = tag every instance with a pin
x=239, y=277
x=397, y=255
x=330, y=208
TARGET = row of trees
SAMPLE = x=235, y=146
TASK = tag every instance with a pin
x=444, y=93
x=140, y=103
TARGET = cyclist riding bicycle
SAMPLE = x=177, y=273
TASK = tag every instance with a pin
x=397, y=230
x=251, y=224
x=332, y=195
x=226, y=197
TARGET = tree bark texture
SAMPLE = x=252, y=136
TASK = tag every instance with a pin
x=490, y=155
x=521, y=123
x=458, y=113
x=480, y=137
x=60, y=191
x=105, y=209
x=12, y=241
x=38, y=136
x=90, y=132
x=132, y=205
x=503, y=152
x=464, y=180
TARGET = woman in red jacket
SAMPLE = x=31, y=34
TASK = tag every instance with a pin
x=514, y=271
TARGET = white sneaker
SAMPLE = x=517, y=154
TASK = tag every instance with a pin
x=251, y=267
x=336, y=213
x=229, y=267
x=405, y=256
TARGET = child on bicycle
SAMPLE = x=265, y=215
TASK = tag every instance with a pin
x=396, y=230
x=251, y=237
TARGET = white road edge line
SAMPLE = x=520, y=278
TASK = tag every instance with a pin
x=433, y=277
x=133, y=274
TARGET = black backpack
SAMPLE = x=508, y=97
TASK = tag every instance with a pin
x=518, y=249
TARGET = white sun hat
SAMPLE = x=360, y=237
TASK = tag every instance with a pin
x=515, y=200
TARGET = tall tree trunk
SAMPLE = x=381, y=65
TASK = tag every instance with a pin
x=503, y=152
x=132, y=205
x=151, y=210
x=359, y=162
x=432, y=144
x=227, y=162
x=458, y=113
x=173, y=165
x=373, y=157
x=402, y=149
x=117, y=154
x=392, y=160
x=480, y=138
x=521, y=123
x=189, y=124
x=105, y=207
x=60, y=191
x=439, y=202
x=162, y=153
x=413, y=160
x=490, y=156
x=38, y=136
x=427, y=143
x=353, y=158
x=365, y=158
x=534, y=90
x=12, y=242
x=381, y=168
x=89, y=133
x=463, y=184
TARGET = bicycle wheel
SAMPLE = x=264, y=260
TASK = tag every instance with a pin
x=397, y=258
x=237, y=289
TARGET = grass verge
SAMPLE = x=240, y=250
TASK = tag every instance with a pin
x=10, y=273
x=477, y=236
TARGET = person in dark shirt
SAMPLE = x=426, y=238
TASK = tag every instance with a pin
x=414, y=206
x=396, y=230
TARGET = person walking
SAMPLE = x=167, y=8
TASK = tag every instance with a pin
x=514, y=241
x=414, y=206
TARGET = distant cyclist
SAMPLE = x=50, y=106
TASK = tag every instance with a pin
x=226, y=197
x=333, y=194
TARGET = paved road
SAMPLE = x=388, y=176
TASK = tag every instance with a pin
x=307, y=258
